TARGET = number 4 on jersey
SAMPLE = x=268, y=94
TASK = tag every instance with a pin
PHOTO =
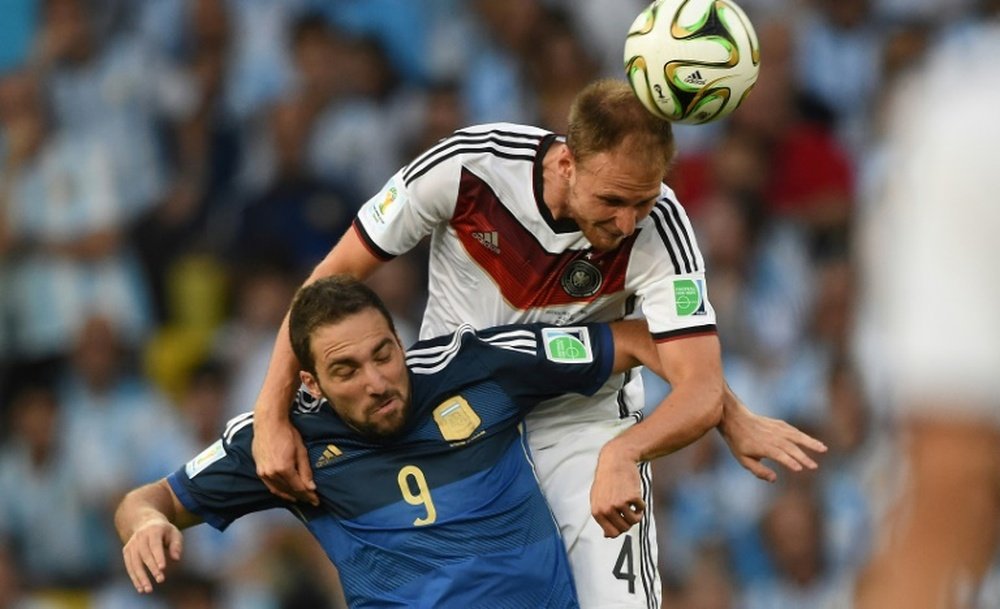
x=624, y=568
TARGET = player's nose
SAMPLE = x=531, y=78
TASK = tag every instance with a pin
x=376, y=383
x=626, y=220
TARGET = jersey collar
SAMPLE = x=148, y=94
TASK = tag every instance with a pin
x=563, y=225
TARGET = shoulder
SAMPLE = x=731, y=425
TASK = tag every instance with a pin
x=435, y=354
x=668, y=234
x=512, y=131
x=492, y=143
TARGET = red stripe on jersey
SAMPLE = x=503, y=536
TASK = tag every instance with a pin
x=527, y=275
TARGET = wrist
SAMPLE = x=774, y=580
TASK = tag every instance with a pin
x=732, y=410
x=621, y=449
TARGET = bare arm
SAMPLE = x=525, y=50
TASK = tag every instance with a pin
x=149, y=520
x=751, y=437
x=634, y=346
x=282, y=461
x=694, y=367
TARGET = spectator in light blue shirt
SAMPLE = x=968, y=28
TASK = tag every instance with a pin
x=65, y=219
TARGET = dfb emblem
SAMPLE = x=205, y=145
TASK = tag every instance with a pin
x=581, y=279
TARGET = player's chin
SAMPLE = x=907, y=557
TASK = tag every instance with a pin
x=388, y=420
x=602, y=239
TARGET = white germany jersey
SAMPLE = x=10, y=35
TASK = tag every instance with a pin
x=497, y=256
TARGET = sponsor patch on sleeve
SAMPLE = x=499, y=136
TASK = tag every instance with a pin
x=689, y=297
x=567, y=345
x=207, y=457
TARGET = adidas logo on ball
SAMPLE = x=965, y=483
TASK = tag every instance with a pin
x=694, y=78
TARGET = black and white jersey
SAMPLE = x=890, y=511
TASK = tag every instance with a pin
x=497, y=256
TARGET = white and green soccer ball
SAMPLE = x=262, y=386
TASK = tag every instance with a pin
x=692, y=61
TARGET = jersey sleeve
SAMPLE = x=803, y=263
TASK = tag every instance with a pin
x=543, y=361
x=667, y=272
x=220, y=484
x=412, y=203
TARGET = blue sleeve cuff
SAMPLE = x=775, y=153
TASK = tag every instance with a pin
x=190, y=504
x=607, y=357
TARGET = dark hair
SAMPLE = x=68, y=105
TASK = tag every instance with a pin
x=606, y=113
x=324, y=302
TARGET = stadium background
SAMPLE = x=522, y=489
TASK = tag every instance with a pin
x=172, y=169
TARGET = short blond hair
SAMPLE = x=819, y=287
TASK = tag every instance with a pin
x=606, y=113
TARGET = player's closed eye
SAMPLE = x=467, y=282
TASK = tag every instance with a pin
x=343, y=373
x=383, y=355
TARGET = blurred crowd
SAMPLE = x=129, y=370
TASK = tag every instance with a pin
x=170, y=170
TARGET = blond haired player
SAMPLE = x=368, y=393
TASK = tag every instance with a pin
x=528, y=226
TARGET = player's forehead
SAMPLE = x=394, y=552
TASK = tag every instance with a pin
x=620, y=174
x=356, y=337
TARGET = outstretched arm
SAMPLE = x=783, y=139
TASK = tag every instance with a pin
x=750, y=437
x=699, y=396
x=149, y=520
x=282, y=461
x=694, y=368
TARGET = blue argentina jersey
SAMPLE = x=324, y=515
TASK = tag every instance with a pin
x=449, y=514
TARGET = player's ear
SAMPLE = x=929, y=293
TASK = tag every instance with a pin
x=309, y=380
x=565, y=162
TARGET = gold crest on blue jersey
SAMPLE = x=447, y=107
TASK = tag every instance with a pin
x=456, y=419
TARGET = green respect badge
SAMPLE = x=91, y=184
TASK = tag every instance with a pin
x=567, y=345
x=687, y=297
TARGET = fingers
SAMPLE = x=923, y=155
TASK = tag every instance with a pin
x=801, y=457
x=284, y=468
x=282, y=480
x=803, y=439
x=619, y=519
x=136, y=572
x=176, y=544
x=306, y=490
x=758, y=469
x=787, y=447
x=153, y=557
x=144, y=556
x=799, y=438
x=291, y=484
x=276, y=483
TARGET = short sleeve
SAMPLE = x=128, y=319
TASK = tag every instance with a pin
x=667, y=272
x=418, y=198
x=220, y=484
x=544, y=361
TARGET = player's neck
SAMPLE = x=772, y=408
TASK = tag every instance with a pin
x=555, y=181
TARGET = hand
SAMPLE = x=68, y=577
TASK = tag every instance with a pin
x=616, y=495
x=145, y=551
x=752, y=438
x=283, y=462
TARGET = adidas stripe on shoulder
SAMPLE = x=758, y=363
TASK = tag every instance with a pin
x=675, y=232
x=502, y=140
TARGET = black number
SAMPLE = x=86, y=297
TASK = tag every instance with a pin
x=625, y=560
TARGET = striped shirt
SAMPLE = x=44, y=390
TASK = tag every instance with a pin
x=497, y=256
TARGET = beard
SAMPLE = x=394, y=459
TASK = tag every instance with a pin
x=384, y=428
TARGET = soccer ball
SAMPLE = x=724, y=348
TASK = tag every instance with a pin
x=692, y=61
